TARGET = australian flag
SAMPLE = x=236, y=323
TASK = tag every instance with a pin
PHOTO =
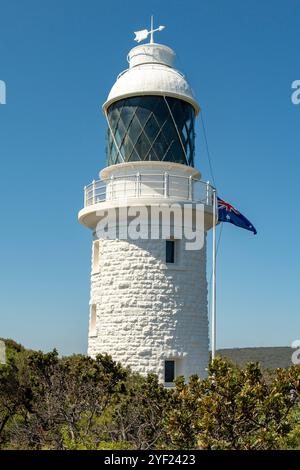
x=228, y=213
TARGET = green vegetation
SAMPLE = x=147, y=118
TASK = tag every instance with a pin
x=75, y=402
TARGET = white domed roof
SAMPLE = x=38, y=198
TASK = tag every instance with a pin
x=151, y=73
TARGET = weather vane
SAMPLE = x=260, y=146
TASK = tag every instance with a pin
x=144, y=33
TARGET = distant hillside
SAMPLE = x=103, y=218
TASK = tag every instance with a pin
x=269, y=358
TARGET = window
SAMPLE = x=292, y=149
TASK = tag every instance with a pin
x=93, y=320
x=142, y=129
x=170, y=251
x=95, y=257
x=169, y=371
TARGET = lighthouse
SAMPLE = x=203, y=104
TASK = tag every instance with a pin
x=148, y=298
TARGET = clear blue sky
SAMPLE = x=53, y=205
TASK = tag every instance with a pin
x=59, y=59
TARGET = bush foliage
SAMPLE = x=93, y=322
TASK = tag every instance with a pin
x=76, y=402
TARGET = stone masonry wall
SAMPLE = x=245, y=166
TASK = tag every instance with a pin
x=148, y=311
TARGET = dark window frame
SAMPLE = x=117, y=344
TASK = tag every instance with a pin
x=170, y=370
x=170, y=252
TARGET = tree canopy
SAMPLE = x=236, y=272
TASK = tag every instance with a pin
x=76, y=402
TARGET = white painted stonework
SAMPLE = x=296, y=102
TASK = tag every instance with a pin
x=148, y=311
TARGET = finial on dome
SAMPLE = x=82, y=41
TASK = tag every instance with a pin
x=144, y=33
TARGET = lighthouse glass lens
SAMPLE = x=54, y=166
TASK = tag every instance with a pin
x=151, y=128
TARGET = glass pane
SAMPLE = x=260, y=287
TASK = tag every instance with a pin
x=180, y=111
x=169, y=157
x=118, y=159
x=134, y=130
x=161, y=111
x=191, y=159
x=127, y=114
x=142, y=146
x=113, y=117
x=185, y=134
x=160, y=147
x=120, y=132
x=126, y=147
x=134, y=157
x=189, y=123
x=152, y=156
x=169, y=131
x=135, y=101
x=152, y=128
x=114, y=155
x=142, y=115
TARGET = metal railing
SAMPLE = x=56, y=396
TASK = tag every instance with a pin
x=163, y=185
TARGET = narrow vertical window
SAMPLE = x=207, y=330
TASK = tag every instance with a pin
x=95, y=256
x=93, y=320
x=169, y=371
x=170, y=251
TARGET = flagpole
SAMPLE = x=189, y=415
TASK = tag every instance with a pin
x=214, y=292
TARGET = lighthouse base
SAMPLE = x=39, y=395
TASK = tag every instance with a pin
x=146, y=313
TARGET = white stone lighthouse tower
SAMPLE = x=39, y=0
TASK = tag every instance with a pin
x=148, y=302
